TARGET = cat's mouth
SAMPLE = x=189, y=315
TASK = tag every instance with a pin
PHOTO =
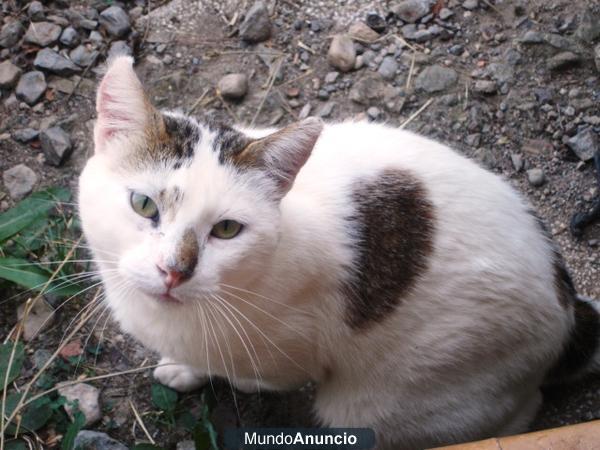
x=167, y=297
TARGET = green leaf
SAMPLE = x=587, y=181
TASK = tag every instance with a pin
x=68, y=441
x=16, y=444
x=33, y=417
x=31, y=237
x=31, y=276
x=29, y=210
x=17, y=363
x=164, y=398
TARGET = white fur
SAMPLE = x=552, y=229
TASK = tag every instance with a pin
x=461, y=358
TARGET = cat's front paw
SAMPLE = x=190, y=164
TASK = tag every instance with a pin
x=180, y=377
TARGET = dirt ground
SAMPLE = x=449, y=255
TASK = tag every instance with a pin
x=183, y=47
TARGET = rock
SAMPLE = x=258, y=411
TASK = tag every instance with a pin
x=536, y=177
x=331, y=77
x=485, y=87
x=95, y=37
x=589, y=26
x=470, y=5
x=31, y=87
x=362, y=33
x=50, y=61
x=83, y=55
x=56, y=145
x=563, y=60
x=10, y=33
x=118, y=48
x=186, y=445
x=41, y=357
x=40, y=317
x=69, y=37
x=87, y=398
x=585, y=144
x=326, y=110
x=412, y=10
x=435, y=79
x=115, y=21
x=373, y=113
x=305, y=111
x=388, y=68
x=597, y=56
x=42, y=33
x=35, y=11
x=474, y=139
x=256, y=26
x=564, y=43
x=445, y=13
x=500, y=72
x=532, y=37
x=95, y=440
x=9, y=74
x=342, y=53
x=25, y=135
x=517, y=161
x=371, y=90
x=233, y=86
x=19, y=180
x=376, y=22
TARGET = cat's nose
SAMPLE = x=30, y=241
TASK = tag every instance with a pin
x=171, y=278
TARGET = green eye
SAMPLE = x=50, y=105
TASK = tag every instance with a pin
x=144, y=206
x=226, y=229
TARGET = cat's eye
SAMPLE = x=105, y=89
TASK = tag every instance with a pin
x=144, y=206
x=226, y=229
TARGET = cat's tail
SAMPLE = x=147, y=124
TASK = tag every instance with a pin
x=581, y=353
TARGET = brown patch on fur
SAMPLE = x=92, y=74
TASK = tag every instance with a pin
x=396, y=226
x=187, y=253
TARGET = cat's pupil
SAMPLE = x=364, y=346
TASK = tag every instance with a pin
x=145, y=203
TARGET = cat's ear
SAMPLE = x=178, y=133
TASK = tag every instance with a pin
x=284, y=152
x=123, y=109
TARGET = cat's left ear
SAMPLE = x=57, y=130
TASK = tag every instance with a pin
x=283, y=153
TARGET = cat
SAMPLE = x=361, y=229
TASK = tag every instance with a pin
x=416, y=289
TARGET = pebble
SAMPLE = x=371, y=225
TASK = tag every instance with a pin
x=83, y=56
x=95, y=37
x=563, y=60
x=69, y=37
x=95, y=440
x=115, y=21
x=412, y=10
x=42, y=33
x=35, y=11
x=376, y=22
x=25, y=135
x=256, y=26
x=342, y=53
x=446, y=13
x=118, y=48
x=536, y=177
x=589, y=27
x=10, y=33
x=388, y=68
x=326, y=110
x=305, y=111
x=9, y=74
x=233, y=86
x=585, y=144
x=470, y=5
x=87, y=398
x=362, y=32
x=41, y=357
x=485, y=87
x=40, y=317
x=370, y=90
x=19, y=180
x=435, y=79
x=51, y=61
x=56, y=145
x=373, y=113
x=517, y=161
x=31, y=87
x=331, y=77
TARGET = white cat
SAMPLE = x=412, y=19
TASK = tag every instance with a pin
x=415, y=288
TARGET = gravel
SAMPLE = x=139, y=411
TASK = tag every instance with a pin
x=56, y=145
x=256, y=26
x=70, y=37
x=342, y=54
x=19, y=180
x=50, y=61
x=536, y=177
x=83, y=55
x=436, y=79
x=9, y=74
x=10, y=33
x=412, y=10
x=388, y=68
x=115, y=21
x=31, y=87
x=42, y=33
x=233, y=86
x=585, y=144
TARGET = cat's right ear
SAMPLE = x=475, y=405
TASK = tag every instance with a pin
x=124, y=112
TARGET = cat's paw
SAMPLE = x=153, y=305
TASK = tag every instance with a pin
x=180, y=377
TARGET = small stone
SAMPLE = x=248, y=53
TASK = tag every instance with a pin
x=373, y=113
x=473, y=140
x=42, y=33
x=371, y=90
x=585, y=144
x=35, y=11
x=342, y=53
x=388, y=68
x=41, y=357
x=83, y=55
x=485, y=87
x=500, y=72
x=563, y=60
x=517, y=161
x=51, y=61
x=95, y=440
x=445, y=13
x=589, y=26
x=31, y=87
x=536, y=177
x=167, y=59
x=25, y=135
x=256, y=26
x=331, y=77
x=326, y=110
x=305, y=111
x=185, y=445
x=87, y=398
x=470, y=5
x=69, y=37
x=315, y=26
x=435, y=79
x=362, y=33
x=456, y=49
x=95, y=37
x=10, y=33
x=9, y=74
x=115, y=21
x=40, y=317
x=412, y=10
x=119, y=48
x=19, y=180
x=56, y=145
x=532, y=37
x=376, y=22
x=233, y=86
x=409, y=31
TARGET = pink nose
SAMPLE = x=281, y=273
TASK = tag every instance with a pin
x=171, y=278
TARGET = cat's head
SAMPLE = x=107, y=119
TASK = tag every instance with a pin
x=173, y=207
